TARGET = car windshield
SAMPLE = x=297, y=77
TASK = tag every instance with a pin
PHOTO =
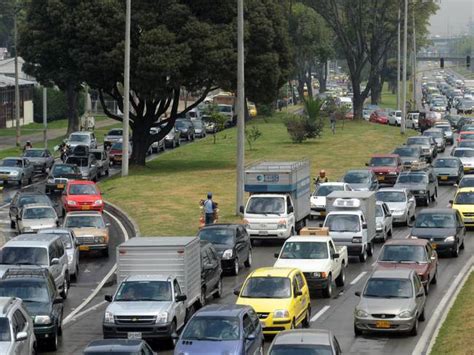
x=116, y=146
x=325, y=190
x=65, y=237
x=301, y=349
x=383, y=161
x=221, y=236
x=212, y=329
x=29, y=199
x=403, y=253
x=412, y=179
x=24, y=256
x=198, y=124
x=31, y=291
x=407, y=152
x=378, y=211
x=115, y=132
x=446, y=163
x=466, y=136
x=433, y=134
x=83, y=189
x=226, y=109
x=444, y=128
x=467, y=182
x=78, y=138
x=84, y=222
x=33, y=153
x=12, y=163
x=391, y=196
x=63, y=170
x=388, y=288
x=267, y=287
x=82, y=162
x=418, y=141
x=435, y=220
x=464, y=153
x=182, y=124
x=469, y=143
x=39, y=212
x=304, y=250
x=266, y=205
x=343, y=223
x=4, y=329
x=356, y=177
x=464, y=198
x=156, y=291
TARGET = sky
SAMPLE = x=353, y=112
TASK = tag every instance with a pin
x=452, y=18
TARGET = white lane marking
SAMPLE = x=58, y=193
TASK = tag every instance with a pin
x=5, y=205
x=93, y=308
x=357, y=279
x=320, y=313
x=74, y=314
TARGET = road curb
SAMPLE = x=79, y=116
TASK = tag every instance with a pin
x=428, y=338
x=124, y=217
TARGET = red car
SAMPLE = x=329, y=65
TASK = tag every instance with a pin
x=386, y=167
x=81, y=195
x=464, y=136
x=379, y=116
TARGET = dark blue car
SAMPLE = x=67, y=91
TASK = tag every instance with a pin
x=222, y=329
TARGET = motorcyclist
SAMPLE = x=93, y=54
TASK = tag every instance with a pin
x=322, y=178
x=27, y=145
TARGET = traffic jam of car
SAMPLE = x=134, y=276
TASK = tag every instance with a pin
x=166, y=286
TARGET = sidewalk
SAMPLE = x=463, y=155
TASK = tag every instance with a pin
x=9, y=142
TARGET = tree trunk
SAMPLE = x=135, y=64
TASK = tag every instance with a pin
x=301, y=86
x=309, y=82
x=323, y=77
x=140, y=143
x=376, y=91
x=73, y=119
x=358, y=99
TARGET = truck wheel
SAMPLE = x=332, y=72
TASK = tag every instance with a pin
x=173, y=331
x=341, y=278
x=363, y=256
x=370, y=250
x=327, y=292
x=427, y=200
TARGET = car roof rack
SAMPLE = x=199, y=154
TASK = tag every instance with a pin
x=416, y=166
x=18, y=272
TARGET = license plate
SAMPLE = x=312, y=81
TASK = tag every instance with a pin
x=84, y=248
x=263, y=232
x=382, y=324
x=444, y=178
x=86, y=207
x=322, y=213
x=4, y=177
x=60, y=186
x=434, y=245
x=381, y=178
x=468, y=220
x=134, y=335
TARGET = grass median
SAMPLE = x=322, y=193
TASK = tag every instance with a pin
x=163, y=197
x=456, y=334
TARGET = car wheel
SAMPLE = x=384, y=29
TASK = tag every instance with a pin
x=434, y=280
x=357, y=331
x=292, y=326
x=173, y=145
x=370, y=250
x=60, y=325
x=235, y=270
x=455, y=252
x=341, y=278
x=427, y=288
x=427, y=200
x=248, y=262
x=12, y=224
x=65, y=289
x=363, y=256
x=414, y=330
x=30, y=180
x=53, y=342
x=422, y=316
x=307, y=319
x=107, y=172
x=327, y=292
x=105, y=252
x=179, y=142
x=173, y=331
x=218, y=293
x=462, y=245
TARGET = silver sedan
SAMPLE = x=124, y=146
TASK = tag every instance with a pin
x=401, y=202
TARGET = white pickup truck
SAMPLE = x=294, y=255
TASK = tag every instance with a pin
x=321, y=261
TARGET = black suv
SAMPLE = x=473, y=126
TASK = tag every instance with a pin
x=232, y=244
x=23, y=198
x=35, y=286
x=211, y=274
x=186, y=129
x=60, y=174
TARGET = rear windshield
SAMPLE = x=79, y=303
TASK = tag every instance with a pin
x=464, y=153
x=435, y=220
x=24, y=256
x=39, y=213
x=82, y=189
x=4, y=329
x=446, y=163
x=383, y=161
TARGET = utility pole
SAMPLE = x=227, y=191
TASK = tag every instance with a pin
x=405, y=50
x=398, y=59
x=45, y=117
x=240, y=108
x=17, y=85
x=414, y=60
x=126, y=90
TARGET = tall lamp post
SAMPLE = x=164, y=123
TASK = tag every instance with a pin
x=126, y=90
x=404, y=84
x=240, y=108
x=17, y=84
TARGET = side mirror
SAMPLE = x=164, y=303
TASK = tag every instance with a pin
x=108, y=298
x=58, y=300
x=21, y=336
x=298, y=293
x=237, y=292
x=320, y=224
x=357, y=293
x=241, y=209
x=335, y=255
x=250, y=337
x=55, y=261
x=181, y=298
x=421, y=293
x=364, y=225
x=276, y=255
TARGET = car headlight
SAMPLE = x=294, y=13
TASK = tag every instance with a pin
x=281, y=313
x=109, y=317
x=281, y=224
x=71, y=203
x=99, y=239
x=162, y=317
x=320, y=275
x=405, y=314
x=422, y=192
x=98, y=202
x=14, y=173
x=227, y=254
x=357, y=240
x=392, y=173
x=42, y=320
x=451, y=238
x=379, y=225
x=360, y=313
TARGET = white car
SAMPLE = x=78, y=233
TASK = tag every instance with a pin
x=401, y=202
x=318, y=198
x=35, y=217
x=466, y=155
x=395, y=118
x=383, y=220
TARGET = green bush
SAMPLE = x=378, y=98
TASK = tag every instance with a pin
x=265, y=110
x=57, y=104
x=296, y=126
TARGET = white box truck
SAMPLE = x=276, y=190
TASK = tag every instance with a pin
x=279, y=202
x=351, y=221
x=159, y=287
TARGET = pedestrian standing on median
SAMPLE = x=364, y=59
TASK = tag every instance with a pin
x=332, y=119
x=209, y=209
x=27, y=146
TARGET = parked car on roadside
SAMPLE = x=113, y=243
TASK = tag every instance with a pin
x=157, y=146
x=199, y=129
x=16, y=170
x=41, y=158
x=186, y=129
x=379, y=116
x=172, y=139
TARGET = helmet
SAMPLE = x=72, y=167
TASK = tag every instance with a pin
x=209, y=195
x=322, y=172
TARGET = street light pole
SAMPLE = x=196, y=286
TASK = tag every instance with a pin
x=45, y=117
x=398, y=59
x=240, y=108
x=405, y=49
x=126, y=90
x=17, y=85
x=414, y=60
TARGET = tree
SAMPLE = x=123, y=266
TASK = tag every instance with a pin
x=252, y=135
x=176, y=45
x=6, y=24
x=46, y=38
x=306, y=126
x=216, y=118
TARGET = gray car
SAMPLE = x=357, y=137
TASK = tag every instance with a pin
x=402, y=204
x=438, y=136
x=448, y=170
x=361, y=180
x=34, y=217
x=173, y=138
x=42, y=159
x=427, y=144
x=86, y=164
x=82, y=138
x=17, y=170
x=423, y=184
x=103, y=161
x=199, y=128
x=305, y=341
x=391, y=301
x=408, y=154
x=113, y=136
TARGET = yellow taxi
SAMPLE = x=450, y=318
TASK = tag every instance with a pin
x=280, y=296
x=252, y=109
x=464, y=203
